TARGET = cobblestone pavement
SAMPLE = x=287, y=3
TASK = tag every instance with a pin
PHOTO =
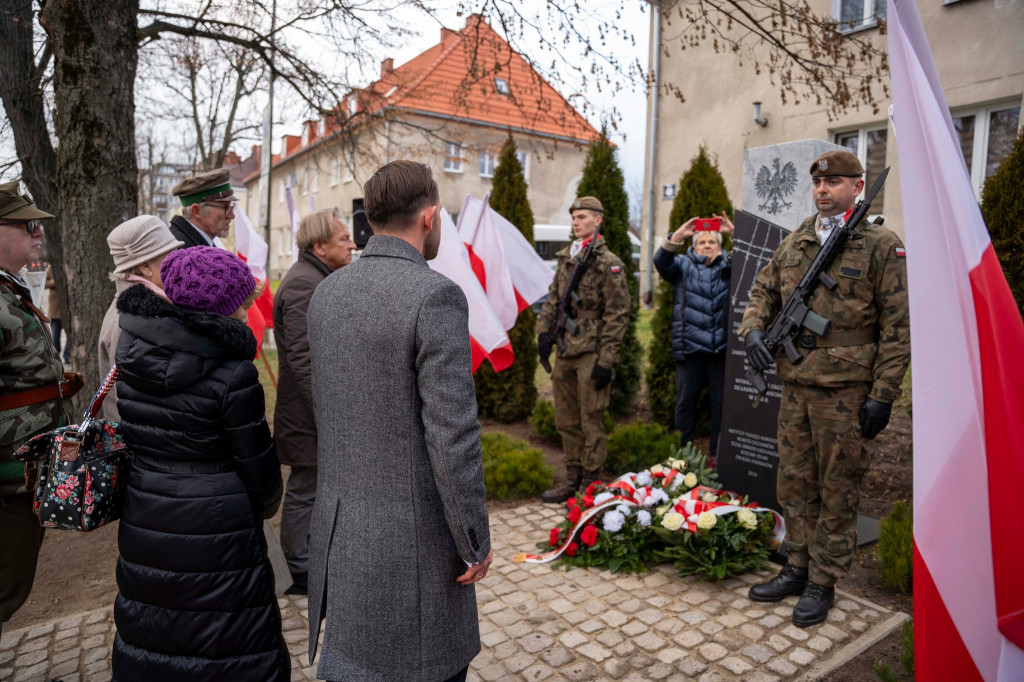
x=543, y=623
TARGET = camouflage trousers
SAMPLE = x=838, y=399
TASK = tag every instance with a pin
x=822, y=459
x=579, y=411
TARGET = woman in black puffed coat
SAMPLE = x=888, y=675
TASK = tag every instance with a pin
x=196, y=595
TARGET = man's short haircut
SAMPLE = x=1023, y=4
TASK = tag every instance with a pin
x=317, y=228
x=397, y=192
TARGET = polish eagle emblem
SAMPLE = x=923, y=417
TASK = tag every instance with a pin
x=774, y=184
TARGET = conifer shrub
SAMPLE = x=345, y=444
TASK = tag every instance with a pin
x=1002, y=206
x=702, y=192
x=602, y=178
x=512, y=468
x=509, y=396
x=543, y=422
x=895, y=551
x=637, y=446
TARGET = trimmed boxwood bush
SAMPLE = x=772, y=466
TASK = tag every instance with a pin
x=637, y=446
x=1002, y=205
x=512, y=468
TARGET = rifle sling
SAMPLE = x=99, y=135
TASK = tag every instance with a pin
x=587, y=315
x=856, y=337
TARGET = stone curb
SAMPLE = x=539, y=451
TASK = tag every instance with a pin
x=855, y=648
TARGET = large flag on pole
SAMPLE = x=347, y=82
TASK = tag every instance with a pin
x=531, y=277
x=487, y=336
x=967, y=348
x=487, y=256
x=254, y=251
x=293, y=218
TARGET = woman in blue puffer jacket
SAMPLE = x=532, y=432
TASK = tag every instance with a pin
x=700, y=278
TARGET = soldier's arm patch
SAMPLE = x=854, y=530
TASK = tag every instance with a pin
x=616, y=269
x=901, y=252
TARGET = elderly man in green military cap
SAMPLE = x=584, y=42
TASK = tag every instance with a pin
x=33, y=393
x=583, y=372
x=840, y=396
x=208, y=206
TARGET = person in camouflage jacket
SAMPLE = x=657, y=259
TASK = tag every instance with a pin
x=28, y=361
x=840, y=396
x=583, y=371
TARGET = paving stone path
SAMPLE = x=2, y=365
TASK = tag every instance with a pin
x=542, y=623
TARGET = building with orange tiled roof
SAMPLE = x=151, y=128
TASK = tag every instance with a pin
x=452, y=107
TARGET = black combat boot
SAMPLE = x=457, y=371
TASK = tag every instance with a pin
x=561, y=493
x=588, y=478
x=790, y=581
x=813, y=605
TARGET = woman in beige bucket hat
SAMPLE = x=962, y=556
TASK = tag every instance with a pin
x=138, y=247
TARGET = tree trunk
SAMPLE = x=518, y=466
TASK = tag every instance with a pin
x=95, y=48
x=22, y=95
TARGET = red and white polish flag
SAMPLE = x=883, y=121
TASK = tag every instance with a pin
x=487, y=336
x=496, y=245
x=251, y=248
x=294, y=219
x=967, y=345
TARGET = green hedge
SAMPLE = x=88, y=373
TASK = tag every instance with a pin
x=512, y=468
x=895, y=549
x=639, y=445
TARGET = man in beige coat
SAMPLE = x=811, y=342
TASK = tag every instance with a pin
x=138, y=247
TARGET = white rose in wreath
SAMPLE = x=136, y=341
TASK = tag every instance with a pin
x=747, y=519
x=709, y=497
x=657, y=469
x=644, y=517
x=624, y=509
x=602, y=498
x=613, y=521
x=673, y=521
x=643, y=479
x=691, y=480
x=706, y=521
x=677, y=464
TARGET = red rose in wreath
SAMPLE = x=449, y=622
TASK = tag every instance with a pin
x=588, y=501
x=571, y=549
x=574, y=515
x=589, y=536
x=571, y=503
x=553, y=541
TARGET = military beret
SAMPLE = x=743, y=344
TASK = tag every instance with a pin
x=15, y=206
x=837, y=162
x=589, y=203
x=212, y=185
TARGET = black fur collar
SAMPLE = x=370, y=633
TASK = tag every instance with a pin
x=234, y=336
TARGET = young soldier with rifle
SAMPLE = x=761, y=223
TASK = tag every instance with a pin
x=585, y=316
x=834, y=298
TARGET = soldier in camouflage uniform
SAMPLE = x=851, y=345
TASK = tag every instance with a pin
x=583, y=371
x=839, y=398
x=31, y=380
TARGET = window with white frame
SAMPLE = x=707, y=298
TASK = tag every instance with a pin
x=350, y=165
x=335, y=171
x=986, y=138
x=523, y=157
x=501, y=85
x=869, y=145
x=280, y=193
x=488, y=160
x=453, y=157
x=314, y=180
x=855, y=15
x=305, y=182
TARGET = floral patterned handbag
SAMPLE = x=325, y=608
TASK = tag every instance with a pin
x=82, y=469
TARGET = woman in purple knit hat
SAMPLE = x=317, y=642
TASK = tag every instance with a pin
x=196, y=589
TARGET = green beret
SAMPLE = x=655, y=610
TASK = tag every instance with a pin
x=15, y=206
x=589, y=203
x=213, y=185
x=837, y=162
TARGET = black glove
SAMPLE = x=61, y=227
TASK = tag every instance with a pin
x=544, y=344
x=601, y=377
x=874, y=417
x=757, y=353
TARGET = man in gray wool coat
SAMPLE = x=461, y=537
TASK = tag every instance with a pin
x=399, y=535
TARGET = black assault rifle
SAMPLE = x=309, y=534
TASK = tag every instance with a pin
x=795, y=315
x=564, y=321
